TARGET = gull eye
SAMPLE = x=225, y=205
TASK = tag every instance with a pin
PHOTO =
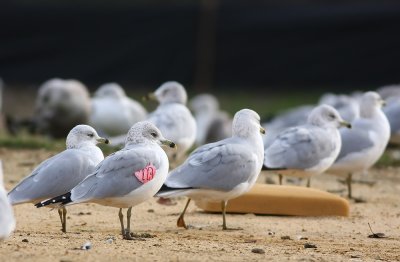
x=153, y=134
x=332, y=116
x=90, y=135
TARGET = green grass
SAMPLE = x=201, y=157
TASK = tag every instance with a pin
x=265, y=104
x=25, y=141
x=388, y=160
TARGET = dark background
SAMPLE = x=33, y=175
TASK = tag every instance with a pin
x=206, y=45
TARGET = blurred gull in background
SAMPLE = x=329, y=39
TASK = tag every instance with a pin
x=212, y=124
x=364, y=144
x=113, y=113
x=60, y=173
x=392, y=112
x=7, y=220
x=347, y=106
x=389, y=91
x=307, y=150
x=173, y=118
x=289, y=118
x=61, y=105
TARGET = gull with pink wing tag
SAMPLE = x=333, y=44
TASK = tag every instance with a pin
x=126, y=178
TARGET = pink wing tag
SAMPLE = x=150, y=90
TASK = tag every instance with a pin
x=146, y=174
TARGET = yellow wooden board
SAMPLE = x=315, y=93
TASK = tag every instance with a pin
x=283, y=200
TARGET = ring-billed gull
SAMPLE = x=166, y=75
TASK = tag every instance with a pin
x=222, y=170
x=365, y=143
x=7, y=220
x=212, y=124
x=113, y=112
x=60, y=105
x=307, y=150
x=173, y=118
x=60, y=173
x=125, y=178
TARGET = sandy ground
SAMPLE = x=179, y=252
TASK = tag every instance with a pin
x=38, y=236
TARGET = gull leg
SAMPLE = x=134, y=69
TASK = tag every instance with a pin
x=181, y=220
x=223, y=207
x=308, y=182
x=224, y=227
x=60, y=212
x=128, y=219
x=348, y=180
x=280, y=179
x=127, y=235
x=121, y=220
x=64, y=222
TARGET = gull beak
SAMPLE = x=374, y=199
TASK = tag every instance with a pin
x=168, y=143
x=262, y=130
x=345, y=124
x=103, y=140
x=149, y=96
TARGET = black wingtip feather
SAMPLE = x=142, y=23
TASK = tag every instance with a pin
x=166, y=188
x=264, y=168
x=60, y=200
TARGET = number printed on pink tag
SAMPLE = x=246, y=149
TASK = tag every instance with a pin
x=146, y=174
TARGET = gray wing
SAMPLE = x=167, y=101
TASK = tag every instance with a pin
x=219, y=166
x=114, y=176
x=355, y=139
x=299, y=147
x=55, y=176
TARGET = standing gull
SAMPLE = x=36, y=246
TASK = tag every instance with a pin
x=126, y=178
x=173, y=118
x=222, y=170
x=307, y=150
x=113, y=112
x=7, y=220
x=60, y=173
x=365, y=143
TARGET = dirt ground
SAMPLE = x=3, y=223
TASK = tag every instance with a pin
x=38, y=236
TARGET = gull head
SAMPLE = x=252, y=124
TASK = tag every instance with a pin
x=246, y=123
x=169, y=92
x=370, y=102
x=82, y=135
x=113, y=90
x=326, y=116
x=147, y=132
x=204, y=103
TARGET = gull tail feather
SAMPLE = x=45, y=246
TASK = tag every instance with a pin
x=168, y=192
x=57, y=201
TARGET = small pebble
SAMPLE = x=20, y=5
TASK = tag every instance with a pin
x=86, y=246
x=285, y=237
x=25, y=240
x=309, y=245
x=150, y=210
x=109, y=241
x=258, y=251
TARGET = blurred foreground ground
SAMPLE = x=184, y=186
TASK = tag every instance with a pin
x=38, y=236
